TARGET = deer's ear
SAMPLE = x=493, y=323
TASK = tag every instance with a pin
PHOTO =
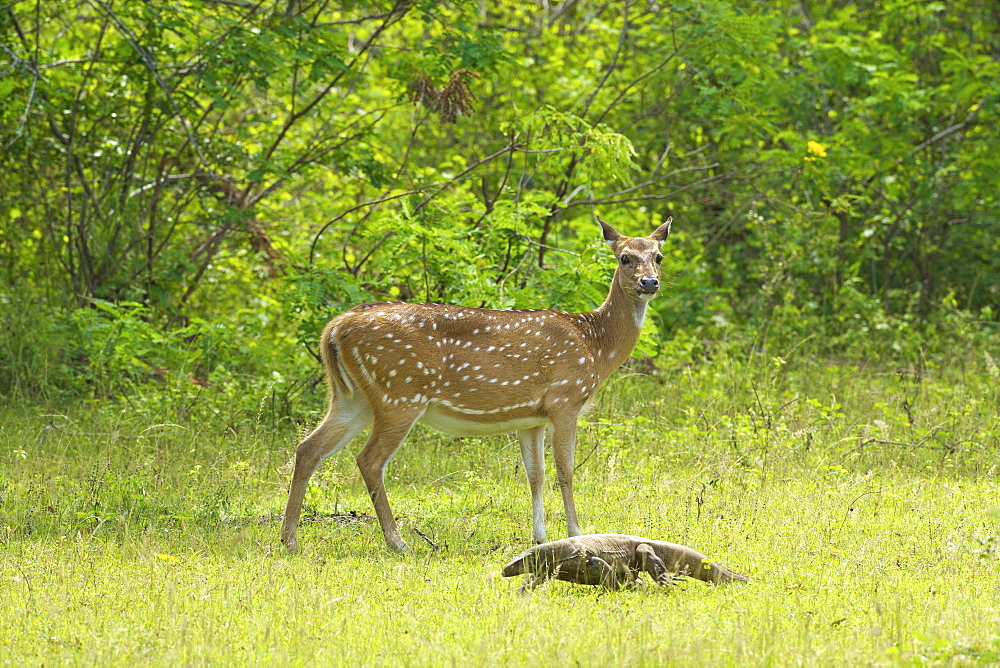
x=659, y=235
x=611, y=235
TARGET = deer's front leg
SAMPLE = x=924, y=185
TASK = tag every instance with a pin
x=533, y=455
x=563, y=450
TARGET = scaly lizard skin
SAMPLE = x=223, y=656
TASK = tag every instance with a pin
x=614, y=560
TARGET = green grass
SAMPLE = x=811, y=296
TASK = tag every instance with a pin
x=862, y=502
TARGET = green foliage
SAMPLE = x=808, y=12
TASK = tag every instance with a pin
x=830, y=168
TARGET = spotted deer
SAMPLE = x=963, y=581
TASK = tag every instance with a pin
x=474, y=372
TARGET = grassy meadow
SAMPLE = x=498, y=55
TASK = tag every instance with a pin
x=862, y=500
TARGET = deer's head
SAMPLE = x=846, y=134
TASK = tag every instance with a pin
x=638, y=273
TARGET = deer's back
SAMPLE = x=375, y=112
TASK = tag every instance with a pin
x=467, y=371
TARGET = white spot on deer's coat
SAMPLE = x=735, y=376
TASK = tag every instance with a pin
x=583, y=360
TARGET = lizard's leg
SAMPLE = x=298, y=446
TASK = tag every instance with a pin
x=540, y=573
x=529, y=584
x=586, y=570
x=652, y=564
x=597, y=571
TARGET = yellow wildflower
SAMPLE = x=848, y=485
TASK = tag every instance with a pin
x=816, y=148
x=166, y=557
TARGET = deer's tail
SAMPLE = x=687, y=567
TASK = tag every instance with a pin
x=336, y=375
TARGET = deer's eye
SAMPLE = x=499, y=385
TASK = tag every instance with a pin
x=624, y=259
x=659, y=259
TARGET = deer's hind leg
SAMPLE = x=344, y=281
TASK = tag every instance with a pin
x=387, y=435
x=343, y=421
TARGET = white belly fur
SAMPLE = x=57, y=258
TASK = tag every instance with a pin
x=458, y=425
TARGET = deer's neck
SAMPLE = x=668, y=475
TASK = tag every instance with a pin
x=612, y=329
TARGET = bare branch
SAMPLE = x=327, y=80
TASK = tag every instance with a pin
x=541, y=245
x=611, y=67
x=673, y=193
x=151, y=66
x=234, y=3
x=67, y=61
x=312, y=246
x=964, y=123
x=634, y=83
x=391, y=17
x=371, y=17
x=649, y=182
x=514, y=146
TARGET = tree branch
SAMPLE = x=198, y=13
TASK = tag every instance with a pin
x=611, y=67
x=151, y=66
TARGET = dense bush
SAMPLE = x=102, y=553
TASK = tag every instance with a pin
x=189, y=194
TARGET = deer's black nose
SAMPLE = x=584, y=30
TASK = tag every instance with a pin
x=649, y=284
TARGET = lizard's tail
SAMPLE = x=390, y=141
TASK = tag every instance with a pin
x=722, y=575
